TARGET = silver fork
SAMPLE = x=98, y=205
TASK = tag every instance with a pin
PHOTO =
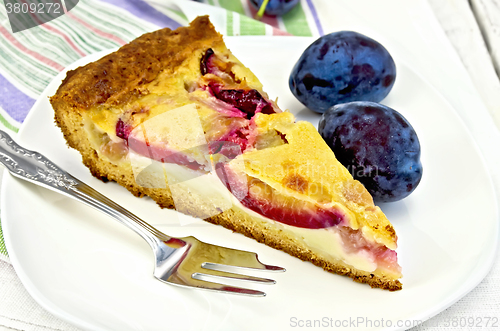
x=184, y=261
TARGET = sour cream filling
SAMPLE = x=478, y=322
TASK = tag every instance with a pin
x=213, y=197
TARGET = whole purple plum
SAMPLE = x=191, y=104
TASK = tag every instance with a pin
x=342, y=67
x=377, y=145
x=275, y=7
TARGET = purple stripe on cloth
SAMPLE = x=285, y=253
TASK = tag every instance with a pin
x=14, y=102
x=143, y=10
x=315, y=16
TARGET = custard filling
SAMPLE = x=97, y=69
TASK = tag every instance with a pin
x=238, y=122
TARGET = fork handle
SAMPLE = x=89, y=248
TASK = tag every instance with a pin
x=36, y=168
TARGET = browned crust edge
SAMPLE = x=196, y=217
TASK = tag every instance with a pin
x=122, y=76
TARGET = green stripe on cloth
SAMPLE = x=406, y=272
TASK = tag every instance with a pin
x=27, y=71
x=3, y=249
x=26, y=75
x=233, y=5
x=15, y=53
x=296, y=23
x=54, y=47
x=229, y=23
x=6, y=124
x=251, y=27
x=247, y=25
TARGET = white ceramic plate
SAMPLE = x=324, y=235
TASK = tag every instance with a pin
x=96, y=274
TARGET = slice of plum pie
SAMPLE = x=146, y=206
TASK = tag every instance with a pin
x=175, y=116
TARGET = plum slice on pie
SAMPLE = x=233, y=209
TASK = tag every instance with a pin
x=183, y=103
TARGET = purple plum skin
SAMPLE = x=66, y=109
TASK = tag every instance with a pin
x=275, y=7
x=377, y=145
x=342, y=67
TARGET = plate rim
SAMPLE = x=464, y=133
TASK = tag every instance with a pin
x=51, y=307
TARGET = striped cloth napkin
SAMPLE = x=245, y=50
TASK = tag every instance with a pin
x=30, y=59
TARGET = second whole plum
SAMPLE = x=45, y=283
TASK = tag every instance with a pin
x=342, y=67
x=377, y=145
